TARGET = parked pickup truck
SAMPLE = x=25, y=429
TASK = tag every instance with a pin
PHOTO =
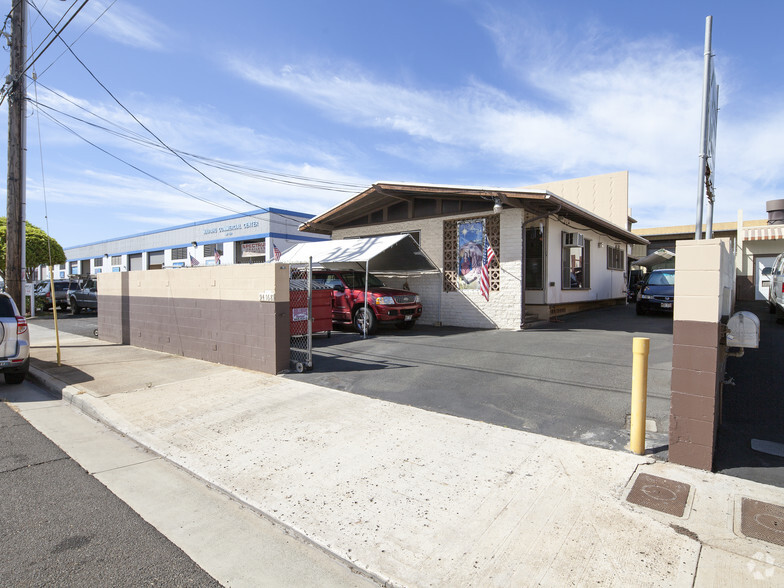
x=385, y=305
x=84, y=298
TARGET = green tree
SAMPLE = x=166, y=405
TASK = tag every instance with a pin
x=37, y=248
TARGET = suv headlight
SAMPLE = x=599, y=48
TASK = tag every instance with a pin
x=646, y=297
x=385, y=300
x=416, y=299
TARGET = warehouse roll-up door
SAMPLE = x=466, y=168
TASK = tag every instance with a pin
x=155, y=260
x=135, y=262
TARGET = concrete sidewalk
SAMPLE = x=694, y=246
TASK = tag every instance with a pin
x=415, y=498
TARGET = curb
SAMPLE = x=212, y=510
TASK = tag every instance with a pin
x=79, y=399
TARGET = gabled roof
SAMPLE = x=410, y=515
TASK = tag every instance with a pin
x=538, y=202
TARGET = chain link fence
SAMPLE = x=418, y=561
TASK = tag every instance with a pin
x=300, y=315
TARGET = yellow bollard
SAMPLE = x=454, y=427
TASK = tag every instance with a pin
x=640, y=348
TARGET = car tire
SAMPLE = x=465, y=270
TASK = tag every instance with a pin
x=13, y=378
x=640, y=309
x=372, y=322
x=75, y=308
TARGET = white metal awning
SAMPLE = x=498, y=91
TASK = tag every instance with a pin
x=764, y=233
x=387, y=254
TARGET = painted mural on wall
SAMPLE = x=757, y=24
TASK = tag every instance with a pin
x=470, y=250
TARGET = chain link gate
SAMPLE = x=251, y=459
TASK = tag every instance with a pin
x=301, y=316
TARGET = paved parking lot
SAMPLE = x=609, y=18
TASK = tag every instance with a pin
x=569, y=379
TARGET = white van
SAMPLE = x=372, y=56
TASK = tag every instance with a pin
x=776, y=290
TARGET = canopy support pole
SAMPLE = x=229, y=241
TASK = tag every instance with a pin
x=365, y=316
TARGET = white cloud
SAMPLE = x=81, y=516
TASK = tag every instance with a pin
x=126, y=24
x=594, y=104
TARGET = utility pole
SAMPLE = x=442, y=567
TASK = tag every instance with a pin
x=15, y=205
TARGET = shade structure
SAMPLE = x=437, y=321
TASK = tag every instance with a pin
x=386, y=254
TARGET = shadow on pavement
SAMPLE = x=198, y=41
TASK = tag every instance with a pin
x=753, y=408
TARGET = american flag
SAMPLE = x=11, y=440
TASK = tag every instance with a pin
x=194, y=261
x=276, y=252
x=488, y=255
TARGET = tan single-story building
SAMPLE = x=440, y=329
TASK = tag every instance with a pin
x=567, y=242
x=756, y=245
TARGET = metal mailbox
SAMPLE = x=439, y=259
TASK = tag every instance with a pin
x=743, y=330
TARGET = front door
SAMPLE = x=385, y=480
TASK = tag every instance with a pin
x=762, y=266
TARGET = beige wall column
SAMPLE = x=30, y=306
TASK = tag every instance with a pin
x=704, y=281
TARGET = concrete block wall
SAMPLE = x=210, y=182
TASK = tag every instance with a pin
x=704, y=297
x=212, y=313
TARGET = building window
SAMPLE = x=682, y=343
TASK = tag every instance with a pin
x=534, y=259
x=615, y=258
x=116, y=259
x=179, y=253
x=575, y=261
x=98, y=262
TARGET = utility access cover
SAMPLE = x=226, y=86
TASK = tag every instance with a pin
x=667, y=496
x=761, y=520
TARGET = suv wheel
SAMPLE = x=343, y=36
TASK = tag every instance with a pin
x=367, y=325
x=14, y=377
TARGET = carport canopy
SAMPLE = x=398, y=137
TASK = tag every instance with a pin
x=656, y=258
x=386, y=254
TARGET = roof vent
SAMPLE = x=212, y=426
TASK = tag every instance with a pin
x=775, y=210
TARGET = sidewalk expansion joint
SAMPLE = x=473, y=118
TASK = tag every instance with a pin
x=128, y=465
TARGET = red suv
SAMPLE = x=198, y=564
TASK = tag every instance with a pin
x=387, y=305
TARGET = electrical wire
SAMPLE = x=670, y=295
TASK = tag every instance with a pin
x=141, y=124
x=43, y=184
x=246, y=171
x=97, y=18
x=57, y=33
x=151, y=176
x=46, y=37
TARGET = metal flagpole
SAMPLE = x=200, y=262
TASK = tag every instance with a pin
x=704, y=126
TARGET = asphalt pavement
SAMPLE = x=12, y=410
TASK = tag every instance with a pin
x=408, y=497
x=62, y=527
x=569, y=379
x=753, y=405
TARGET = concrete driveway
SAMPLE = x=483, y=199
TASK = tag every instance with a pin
x=569, y=379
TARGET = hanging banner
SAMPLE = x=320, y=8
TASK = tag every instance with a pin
x=254, y=249
x=470, y=250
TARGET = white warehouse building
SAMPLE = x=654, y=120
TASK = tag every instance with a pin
x=241, y=238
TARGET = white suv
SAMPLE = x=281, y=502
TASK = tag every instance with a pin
x=776, y=290
x=14, y=342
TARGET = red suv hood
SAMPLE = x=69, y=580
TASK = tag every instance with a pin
x=391, y=292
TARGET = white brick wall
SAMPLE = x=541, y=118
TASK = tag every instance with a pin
x=468, y=308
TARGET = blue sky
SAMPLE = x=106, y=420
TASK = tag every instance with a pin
x=340, y=95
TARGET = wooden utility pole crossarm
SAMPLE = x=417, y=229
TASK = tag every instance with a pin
x=15, y=228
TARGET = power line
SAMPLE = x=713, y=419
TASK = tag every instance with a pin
x=248, y=171
x=138, y=169
x=97, y=18
x=33, y=52
x=57, y=33
x=141, y=124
